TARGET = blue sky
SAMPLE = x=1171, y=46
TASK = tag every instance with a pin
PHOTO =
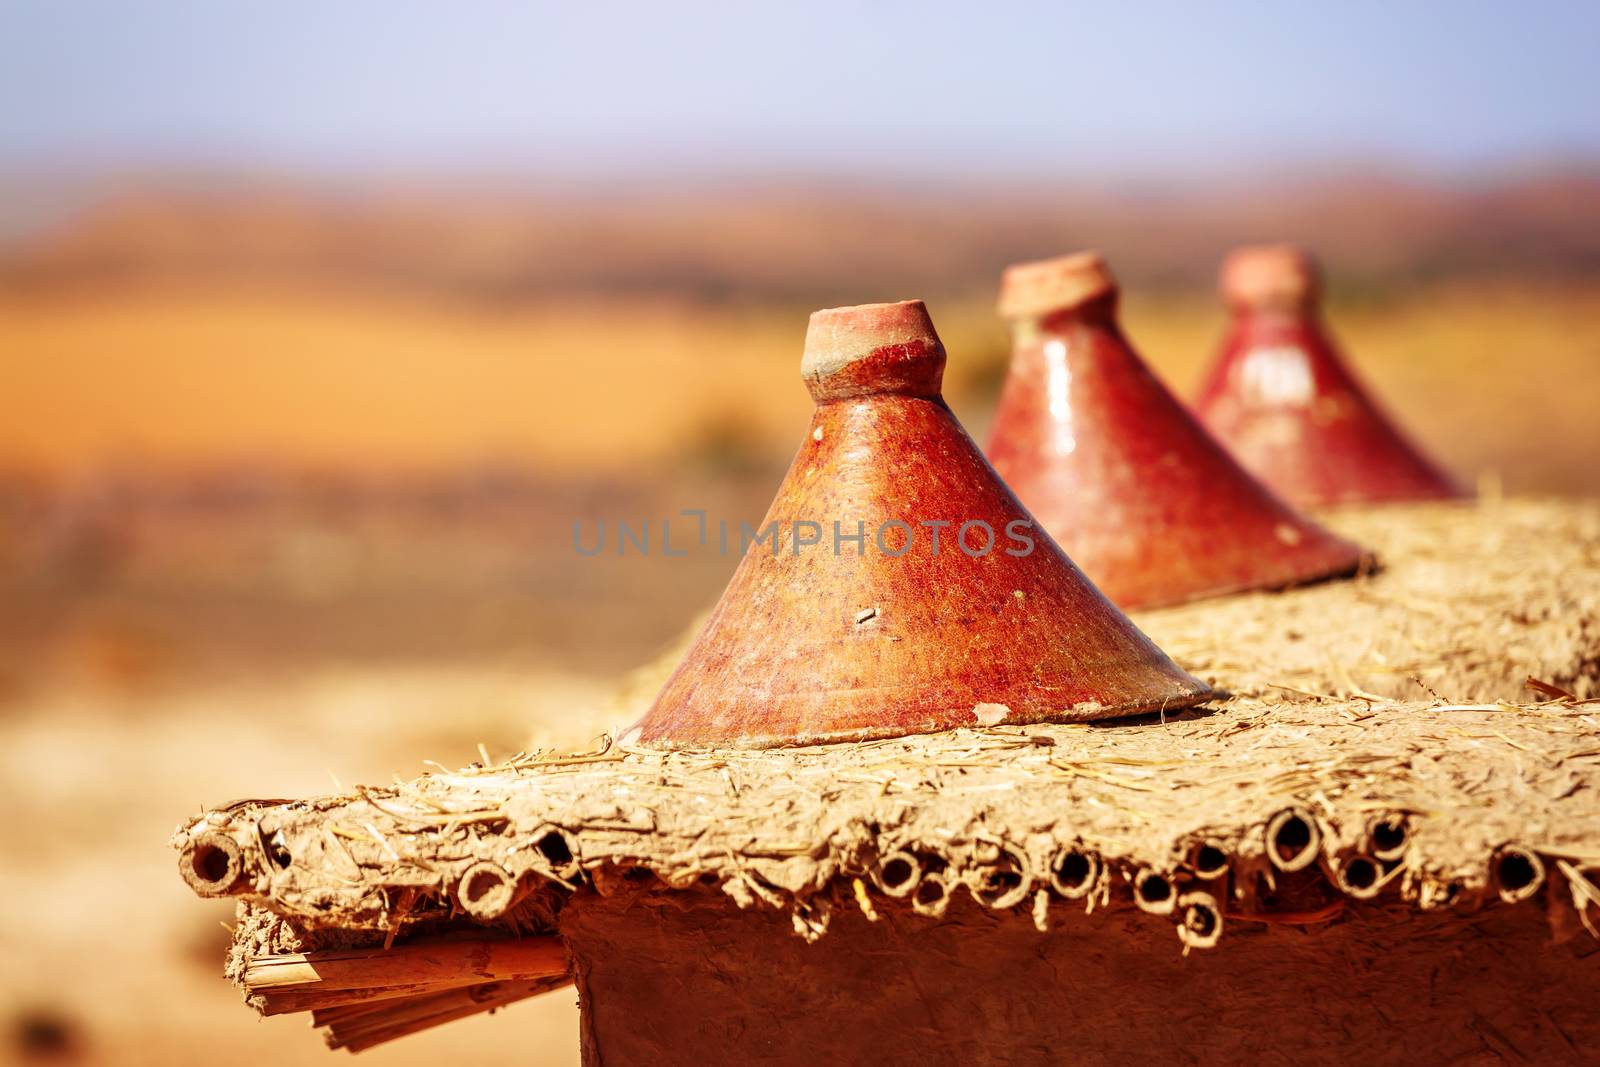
x=891, y=87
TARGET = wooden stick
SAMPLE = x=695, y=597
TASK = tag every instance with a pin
x=281, y=1001
x=389, y=1016
x=416, y=963
x=422, y=1013
x=348, y=1014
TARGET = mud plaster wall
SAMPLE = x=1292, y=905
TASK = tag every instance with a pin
x=686, y=979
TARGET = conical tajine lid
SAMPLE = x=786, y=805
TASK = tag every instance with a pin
x=1281, y=397
x=1124, y=478
x=853, y=625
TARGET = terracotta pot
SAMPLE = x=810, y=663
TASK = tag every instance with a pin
x=854, y=625
x=1282, y=398
x=1142, y=497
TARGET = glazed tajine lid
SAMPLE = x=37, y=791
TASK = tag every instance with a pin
x=1141, y=497
x=1285, y=401
x=903, y=589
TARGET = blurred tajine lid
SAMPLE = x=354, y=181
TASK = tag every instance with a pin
x=1280, y=275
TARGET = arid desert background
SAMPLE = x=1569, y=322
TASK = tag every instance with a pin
x=291, y=454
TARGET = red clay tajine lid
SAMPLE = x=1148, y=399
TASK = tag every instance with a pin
x=853, y=626
x=1124, y=478
x=1282, y=398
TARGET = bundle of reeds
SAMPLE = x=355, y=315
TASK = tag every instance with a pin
x=367, y=996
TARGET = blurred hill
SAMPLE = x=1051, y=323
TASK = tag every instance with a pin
x=807, y=241
x=382, y=327
x=252, y=423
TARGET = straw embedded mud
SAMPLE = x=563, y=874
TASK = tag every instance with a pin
x=387, y=910
x=1411, y=799
x=1470, y=602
